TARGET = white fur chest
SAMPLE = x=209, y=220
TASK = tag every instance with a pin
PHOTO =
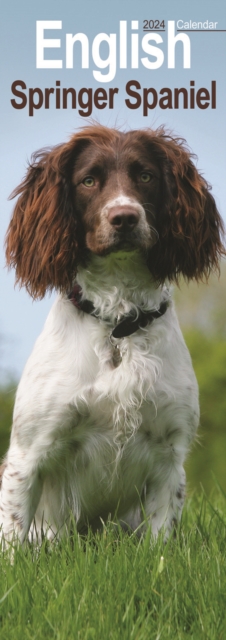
x=103, y=433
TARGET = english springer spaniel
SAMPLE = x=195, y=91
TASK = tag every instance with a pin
x=107, y=406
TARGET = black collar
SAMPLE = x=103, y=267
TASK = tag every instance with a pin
x=129, y=323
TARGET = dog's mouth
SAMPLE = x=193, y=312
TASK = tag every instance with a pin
x=130, y=240
x=125, y=244
x=127, y=241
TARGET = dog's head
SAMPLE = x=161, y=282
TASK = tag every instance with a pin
x=106, y=191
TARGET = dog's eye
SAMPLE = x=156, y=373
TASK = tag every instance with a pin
x=145, y=177
x=89, y=181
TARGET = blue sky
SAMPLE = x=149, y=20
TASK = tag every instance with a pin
x=21, y=319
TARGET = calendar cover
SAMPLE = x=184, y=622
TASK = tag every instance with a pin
x=125, y=63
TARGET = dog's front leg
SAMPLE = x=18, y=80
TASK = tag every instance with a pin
x=164, y=502
x=20, y=493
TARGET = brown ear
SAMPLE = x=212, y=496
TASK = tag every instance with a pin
x=189, y=225
x=42, y=238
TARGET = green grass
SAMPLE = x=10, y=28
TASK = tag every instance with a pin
x=112, y=586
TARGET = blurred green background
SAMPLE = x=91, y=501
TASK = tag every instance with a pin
x=202, y=314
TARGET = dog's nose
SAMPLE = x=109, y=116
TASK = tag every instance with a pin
x=123, y=219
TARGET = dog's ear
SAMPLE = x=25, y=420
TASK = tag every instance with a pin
x=189, y=225
x=42, y=238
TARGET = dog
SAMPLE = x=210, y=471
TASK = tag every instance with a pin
x=107, y=406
